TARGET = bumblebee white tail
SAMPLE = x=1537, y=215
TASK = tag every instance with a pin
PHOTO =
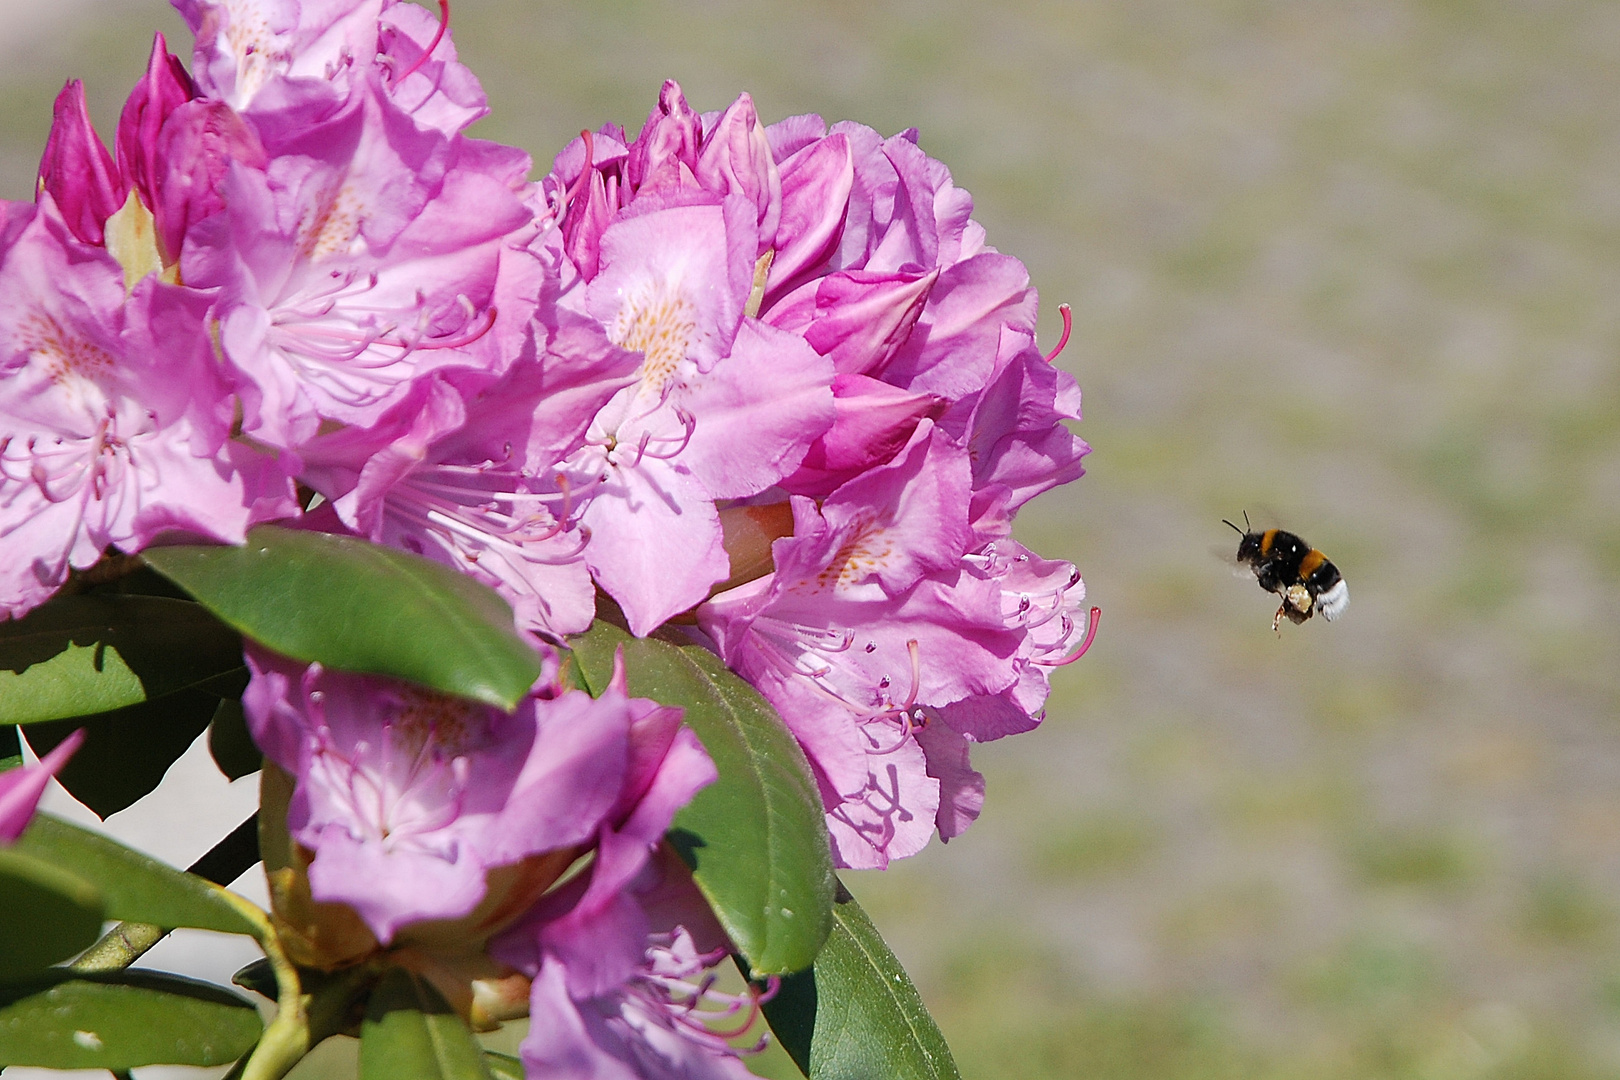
x=1333, y=602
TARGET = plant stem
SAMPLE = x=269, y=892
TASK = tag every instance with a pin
x=129, y=941
x=119, y=947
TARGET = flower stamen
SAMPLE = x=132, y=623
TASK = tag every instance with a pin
x=444, y=27
x=1068, y=326
x=1091, y=635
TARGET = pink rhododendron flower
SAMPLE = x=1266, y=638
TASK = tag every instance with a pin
x=466, y=469
x=364, y=255
x=408, y=798
x=21, y=788
x=289, y=63
x=108, y=430
x=654, y=1026
x=767, y=380
x=887, y=639
x=867, y=621
x=653, y=1012
x=666, y=237
x=901, y=622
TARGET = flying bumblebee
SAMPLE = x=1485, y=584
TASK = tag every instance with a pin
x=1291, y=568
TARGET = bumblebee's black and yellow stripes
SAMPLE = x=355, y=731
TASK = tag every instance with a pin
x=1286, y=565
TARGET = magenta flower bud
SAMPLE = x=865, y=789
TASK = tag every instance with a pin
x=77, y=171
x=21, y=788
x=668, y=141
x=197, y=146
x=736, y=160
x=590, y=208
x=163, y=89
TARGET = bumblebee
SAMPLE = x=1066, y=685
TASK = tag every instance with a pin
x=1286, y=565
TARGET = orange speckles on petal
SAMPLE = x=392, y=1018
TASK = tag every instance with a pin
x=64, y=354
x=249, y=37
x=660, y=324
x=329, y=228
x=864, y=554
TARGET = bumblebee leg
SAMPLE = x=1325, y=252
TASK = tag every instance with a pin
x=1276, y=620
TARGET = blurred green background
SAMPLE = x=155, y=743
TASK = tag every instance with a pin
x=1354, y=265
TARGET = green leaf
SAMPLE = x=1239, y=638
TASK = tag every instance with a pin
x=855, y=1015
x=133, y=886
x=126, y=752
x=230, y=743
x=411, y=1034
x=756, y=839
x=81, y=655
x=357, y=606
x=503, y=1066
x=47, y=915
x=62, y=1021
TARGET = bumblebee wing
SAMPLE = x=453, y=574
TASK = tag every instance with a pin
x=1227, y=553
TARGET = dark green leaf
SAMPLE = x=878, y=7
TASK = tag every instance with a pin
x=855, y=1015
x=503, y=1066
x=10, y=748
x=133, y=886
x=411, y=1034
x=136, y=1018
x=47, y=915
x=756, y=839
x=126, y=752
x=230, y=743
x=81, y=655
x=358, y=606
x=258, y=977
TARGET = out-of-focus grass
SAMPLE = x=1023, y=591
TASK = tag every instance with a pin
x=1356, y=262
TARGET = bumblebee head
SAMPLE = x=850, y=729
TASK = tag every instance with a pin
x=1249, y=546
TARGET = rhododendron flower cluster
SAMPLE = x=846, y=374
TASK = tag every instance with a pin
x=766, y=387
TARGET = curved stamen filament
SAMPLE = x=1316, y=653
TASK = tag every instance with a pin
x=904, y=712
x=1068, y=326
x=1091, y=635
x=467, y=337
x=682, y=1003
x=472, y=496
x=911, y=721
x=688, y=425
x=584, y=177
x=444, y=27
